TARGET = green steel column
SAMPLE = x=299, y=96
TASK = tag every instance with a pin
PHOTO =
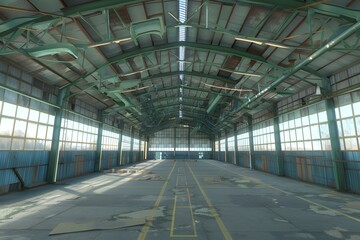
x=97, y=166
x=120, y=148
x=54, y=153
x=147, y=148
x=141, y=150
x=251, y=141
x=174, y=142
x=336, y=154
x=279, y=153
x=236, y=146
x=131, y=157
x=226, y=147
x=213, y=147
x=189, y=143
x=219, y=151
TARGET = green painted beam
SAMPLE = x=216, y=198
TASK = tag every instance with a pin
x=55, y=143
x=279, y=153
x=176, y=97
x=248, y=118
x=336, y=153
x=355, y=27
x=98, y=156
x=213, y=103
x=175, y=73
x=176, y=45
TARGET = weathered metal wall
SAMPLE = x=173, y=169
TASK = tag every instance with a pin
x=315, y=167
x=222, y=156
x=109, y=159
x=352, y=170
x=31, y=165
x=243, y=159
x=75, y=163
x=125, y=157
x=230, y=157
x=266, y=161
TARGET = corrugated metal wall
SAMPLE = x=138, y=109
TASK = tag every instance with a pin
x=125, y=157
x=315, y=167
x=222, y=156
x=243, y=159
x=266, y=161
x=75, y=163
x=352, y=170
x=109, y=159
x=31, y=165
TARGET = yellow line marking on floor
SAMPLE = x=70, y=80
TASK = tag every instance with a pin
x=191, y=212
x=175, y=207
x=146, y=227
x=185, y=236
x=173, y=217
x=294, y=195
x=218, y=220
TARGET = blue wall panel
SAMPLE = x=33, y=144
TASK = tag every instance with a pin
x=315, y=167
x=75, y=163
x=31, y=165
x=222, y=156
x=243, y=159
x=109, y=159
x=230, y=157
x=352, y=170
x=125, y=157
x=266, y=161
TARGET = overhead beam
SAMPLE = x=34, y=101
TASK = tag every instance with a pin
x=305, y=62
x=176, y=45
x=322, y=8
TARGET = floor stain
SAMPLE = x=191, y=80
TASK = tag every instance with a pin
x=322, y=211
x=336, y=232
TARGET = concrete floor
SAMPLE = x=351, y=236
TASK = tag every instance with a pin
x=201, y=199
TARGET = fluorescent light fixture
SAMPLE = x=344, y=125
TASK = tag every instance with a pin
x=248, y=40
x=139, y=71
x=241, y=73
x=182, y=34
x=110, y=42
x=183, y=4
x=275, y=45
x=181, y=53
x=261, y=43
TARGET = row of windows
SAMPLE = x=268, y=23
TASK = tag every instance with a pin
x=348, y=122
x=110, y=140
x=263, y=136
x=23, y=128
x=309, y=132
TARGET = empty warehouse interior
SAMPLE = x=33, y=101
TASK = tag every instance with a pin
x=205, y=119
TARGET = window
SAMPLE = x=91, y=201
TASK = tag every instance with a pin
x=20, y=128
x=310, y=132
x=77, y=133
x=263, y=135
x=110, y=139
x=243, y=142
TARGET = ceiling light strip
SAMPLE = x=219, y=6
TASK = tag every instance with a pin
x=183, y=5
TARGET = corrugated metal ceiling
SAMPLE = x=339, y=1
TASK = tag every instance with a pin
x=128, y=53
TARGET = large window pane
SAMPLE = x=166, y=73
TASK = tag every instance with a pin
x=6, y=126
x=22, y=113
x=9, y=109
x=348, y=127
x=20, y=128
